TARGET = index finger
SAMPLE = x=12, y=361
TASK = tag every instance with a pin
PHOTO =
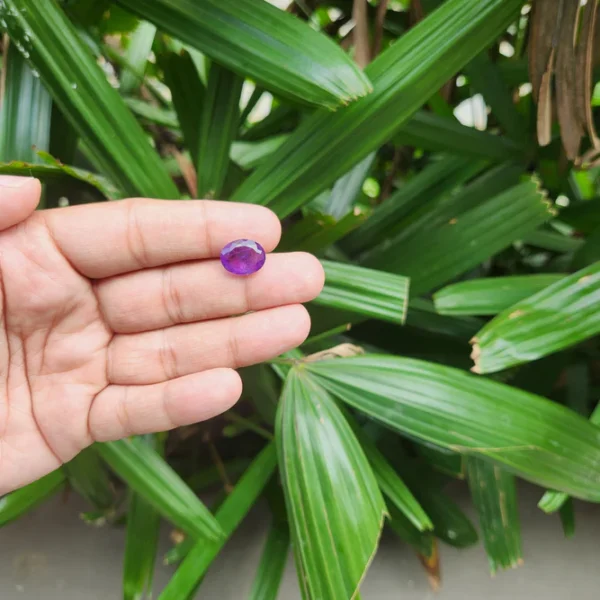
x=106, y=239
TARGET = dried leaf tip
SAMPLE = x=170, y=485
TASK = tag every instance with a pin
x=548, y=203
x=543, y=193
x=340, y=351
x=431, y=565
x=475, y=354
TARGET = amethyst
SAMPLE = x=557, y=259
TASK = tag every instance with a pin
x=243, y=257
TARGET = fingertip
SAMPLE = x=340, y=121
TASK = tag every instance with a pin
x=272, y=332
x=202, y=396
x=302, y=323
x=221, y=389
x=15, y=182
x=231, y=386
x=313, y=276
x=230, y=221
x=272, y=228
x=19, y=197
x=36, y=184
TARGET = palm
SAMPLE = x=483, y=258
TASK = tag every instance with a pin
x=54, y=354
x=115, y=322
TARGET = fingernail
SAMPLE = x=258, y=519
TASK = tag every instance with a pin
x=12, y=181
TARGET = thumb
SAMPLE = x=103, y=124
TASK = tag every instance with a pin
x=19, y=197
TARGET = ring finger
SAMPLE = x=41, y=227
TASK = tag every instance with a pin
x=165, y=354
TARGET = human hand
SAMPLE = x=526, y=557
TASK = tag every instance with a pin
x=118, y=319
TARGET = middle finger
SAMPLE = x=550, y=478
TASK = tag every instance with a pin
x=198, y=291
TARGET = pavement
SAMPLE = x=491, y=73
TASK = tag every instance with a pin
x=51, y=554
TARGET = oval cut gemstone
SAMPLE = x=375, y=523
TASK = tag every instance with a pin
x=243, y=257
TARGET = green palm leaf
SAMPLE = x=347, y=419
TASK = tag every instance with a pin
x=495, y=497
x=452, y=238
x=187, y=90
x=539, y=440
x=275, y=552
x=151, y=477
x=404, y=76
x=557, y=317
x=429, y=131
x=87, y=474
x=26, y=110
x=119, y=147
x=17, y=503
x=365, y=291
x=257, y=40
x=139, y=49
x=218, y=127
x=552, y=501
x=52, y=171
x=490, y=296
x=440, y=177
x=229, y=515
x=334, y=505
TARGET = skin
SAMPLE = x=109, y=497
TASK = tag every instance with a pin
x=118, y=319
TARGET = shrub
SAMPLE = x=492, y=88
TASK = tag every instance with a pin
x=447, y=248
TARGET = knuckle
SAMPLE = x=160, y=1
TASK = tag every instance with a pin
x=136, y=241
x=123, y=416
x=168, y=357
x=171, y=298
x=206, y=228
x=233, y=343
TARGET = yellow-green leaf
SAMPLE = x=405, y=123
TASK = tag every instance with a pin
x=557, y=317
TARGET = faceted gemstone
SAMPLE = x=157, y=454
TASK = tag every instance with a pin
x=243, y=257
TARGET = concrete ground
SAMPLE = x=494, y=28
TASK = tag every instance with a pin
x=51, y=554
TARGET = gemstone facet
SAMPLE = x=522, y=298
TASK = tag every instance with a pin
x=243, y=257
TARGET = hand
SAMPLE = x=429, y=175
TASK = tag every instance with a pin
x=118, y=319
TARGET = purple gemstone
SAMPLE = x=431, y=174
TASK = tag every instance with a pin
x=243, y=257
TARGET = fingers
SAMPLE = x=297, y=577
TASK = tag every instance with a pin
x=183, y=293
x=120, y=411
x=106, y=239
x=19, y=197
x=165, y=354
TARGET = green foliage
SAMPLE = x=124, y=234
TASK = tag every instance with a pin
x=218, y=126
x=88, y=476
x=275, y=553
x=152, y=478
x=557, y=317
x=26, y=108
x=334, y=504
x=491, y=295
x=432, y=233
x=495, y=496
x=404, y=76
x=267, y=45
x=80, y=89
x=529, y=434
x=228, y=515
x=19, y=502
x=143, y=522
